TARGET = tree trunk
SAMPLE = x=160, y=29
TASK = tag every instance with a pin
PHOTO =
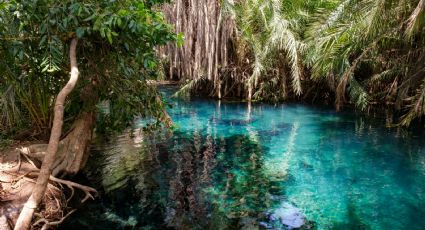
x=73, y=150
x=25, y=217
x=208, y=34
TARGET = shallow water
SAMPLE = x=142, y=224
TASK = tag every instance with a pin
x=239, y=166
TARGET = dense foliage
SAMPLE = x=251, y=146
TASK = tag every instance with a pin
x=116, y=55
x=375, y=49
x=362, y=52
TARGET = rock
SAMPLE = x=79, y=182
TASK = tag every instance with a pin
x=289, y=215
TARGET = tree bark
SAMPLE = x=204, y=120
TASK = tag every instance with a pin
x=25, y=217
x=73, y=151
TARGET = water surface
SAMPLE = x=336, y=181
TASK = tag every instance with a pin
x=237, y=166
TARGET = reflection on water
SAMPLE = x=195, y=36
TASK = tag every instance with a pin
x=239, y=166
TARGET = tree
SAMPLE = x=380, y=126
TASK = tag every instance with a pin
x=373, y=50
x=362, y=52
x=116, y=57
x=28, y=210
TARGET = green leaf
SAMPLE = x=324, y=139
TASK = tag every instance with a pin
x=109, y=36
x=122, y=12
x=80, y=32
x=43, y=28
x=180, y=39
x=102, y=32
x=21, y=54
x=43, y=40
x=90, y=18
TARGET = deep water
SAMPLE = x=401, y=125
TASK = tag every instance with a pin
x=238, y=166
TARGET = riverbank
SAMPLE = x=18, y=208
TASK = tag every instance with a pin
x=18, y=174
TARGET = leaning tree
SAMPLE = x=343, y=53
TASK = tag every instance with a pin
x=88, y=52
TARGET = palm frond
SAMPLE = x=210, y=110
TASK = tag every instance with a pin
x=416, y=107
x=416, y=19
x=358, y=94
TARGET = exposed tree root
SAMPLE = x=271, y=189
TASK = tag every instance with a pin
x=72, y=151
x=17, y=178
x=48, y=224
x=71, y=185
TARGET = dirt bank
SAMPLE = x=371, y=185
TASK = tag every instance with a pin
x=18, y=174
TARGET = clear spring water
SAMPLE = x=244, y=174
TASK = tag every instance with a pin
x=234, y=166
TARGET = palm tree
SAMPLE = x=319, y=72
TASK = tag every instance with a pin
x=363, y=52
x=375, y=50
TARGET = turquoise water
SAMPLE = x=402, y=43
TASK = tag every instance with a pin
x=239, y=166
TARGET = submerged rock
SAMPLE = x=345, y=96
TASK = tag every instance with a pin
x=269, y=133
x=232, y=122
x=288, y=215
x=265, y=225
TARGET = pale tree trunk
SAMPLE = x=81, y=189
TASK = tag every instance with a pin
x=25, y=217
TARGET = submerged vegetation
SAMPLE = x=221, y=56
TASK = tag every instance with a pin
x=367, y=53
x=231, y=166
x=70, y=69
x=195, y=181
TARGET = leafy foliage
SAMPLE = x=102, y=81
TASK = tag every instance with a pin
x=374, y=51
x=363, y=52
x=116, y=52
